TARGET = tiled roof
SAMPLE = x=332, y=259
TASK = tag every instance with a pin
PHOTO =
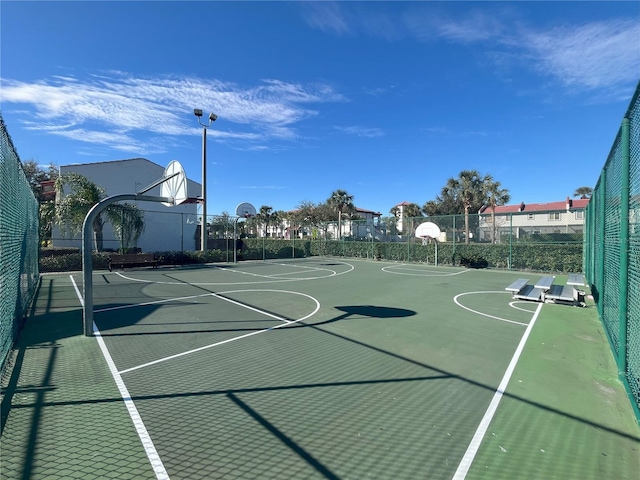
x=575, y=204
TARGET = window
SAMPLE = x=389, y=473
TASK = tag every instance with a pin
x=554, y=216
x=531, y=216
x=580, y=215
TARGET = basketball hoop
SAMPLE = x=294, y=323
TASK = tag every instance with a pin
x=245, y=210
x=429, y=231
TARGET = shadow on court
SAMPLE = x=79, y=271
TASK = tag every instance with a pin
x=60, y=402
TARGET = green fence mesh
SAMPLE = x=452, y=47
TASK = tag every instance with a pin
x=612, y=249
x=518, y=241
x=18, y=243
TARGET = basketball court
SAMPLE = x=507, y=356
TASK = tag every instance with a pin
x=313, y=368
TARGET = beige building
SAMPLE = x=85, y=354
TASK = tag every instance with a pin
x=535, y=218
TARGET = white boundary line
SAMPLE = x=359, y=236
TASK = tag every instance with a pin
x=413, y=268
x=472, y=450
x=455, y=299
x=229, y=340
x=265, y=278
x=143, y=434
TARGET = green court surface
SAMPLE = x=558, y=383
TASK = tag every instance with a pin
x=313, y=368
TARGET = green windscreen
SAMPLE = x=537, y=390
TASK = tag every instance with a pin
x=18, y=243
x=612, y=248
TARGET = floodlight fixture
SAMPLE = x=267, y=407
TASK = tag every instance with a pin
x=212, y=118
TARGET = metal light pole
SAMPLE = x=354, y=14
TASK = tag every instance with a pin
x=203, y=231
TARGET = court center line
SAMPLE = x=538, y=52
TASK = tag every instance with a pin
x=472, y=450
x=149, y=448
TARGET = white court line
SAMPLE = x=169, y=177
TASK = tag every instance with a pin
x=512, y=305
x=266, y=279
x=234, y=338
x=427, y=273
x=472, y=450
x=455, y=299
x=145, y=438
x=252, y=308
x=155, y=302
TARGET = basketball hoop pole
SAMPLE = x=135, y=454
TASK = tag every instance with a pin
x=87, y=261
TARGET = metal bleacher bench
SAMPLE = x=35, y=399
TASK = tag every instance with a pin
x=561, y=293
x=518, y=285
x=132, y=260
x=521, y=290
x=567, y=293
x=545, y=291
x=575, y=279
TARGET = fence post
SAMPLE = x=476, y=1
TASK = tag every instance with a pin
x=510, y=240
x=454, y=238
x=624, y=247
x=602, y=214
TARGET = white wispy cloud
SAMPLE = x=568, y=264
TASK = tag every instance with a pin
x=593, y=55
x=361, y=131
x=124, y=112
x=577, y=55
x=326, y=16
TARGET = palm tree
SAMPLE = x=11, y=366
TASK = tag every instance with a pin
x=341, y=202
x=264, y=217
x=128, y=223
x=495, y=196
x=583, y=192
x=468, y=188
x=72, y=208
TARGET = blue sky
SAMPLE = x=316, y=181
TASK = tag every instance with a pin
x=386, y=100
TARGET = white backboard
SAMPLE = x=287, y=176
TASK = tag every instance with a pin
x=176, y=186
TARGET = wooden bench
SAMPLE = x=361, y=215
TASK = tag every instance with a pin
x=132, y=260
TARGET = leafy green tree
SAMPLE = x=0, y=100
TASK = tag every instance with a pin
x=496, y=195
x=35, y=175
x=221, y=225
x=316, y=215
x=341, y=202
x=583, y=192
x=72, y=208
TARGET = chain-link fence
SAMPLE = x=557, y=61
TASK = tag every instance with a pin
x=612, y=249
x=18, y=243
x=545, y=241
